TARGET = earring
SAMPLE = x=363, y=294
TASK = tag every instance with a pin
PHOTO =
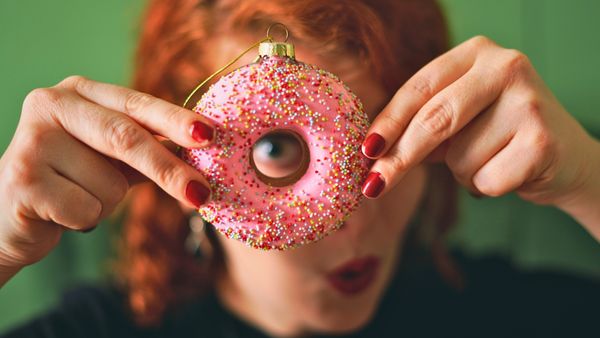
x=196, y=236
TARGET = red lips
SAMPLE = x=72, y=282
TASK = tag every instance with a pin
x=354, y=276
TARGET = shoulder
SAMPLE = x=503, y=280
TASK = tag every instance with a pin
x=533, y=301
x=499, y=299
x=99, y=311
x=85, y=311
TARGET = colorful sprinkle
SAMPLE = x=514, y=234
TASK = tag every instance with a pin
x=281, y=93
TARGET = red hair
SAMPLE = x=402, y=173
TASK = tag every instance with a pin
x=393, y=37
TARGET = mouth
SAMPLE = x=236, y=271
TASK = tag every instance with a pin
x=354, y=276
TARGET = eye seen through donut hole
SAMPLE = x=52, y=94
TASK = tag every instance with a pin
x=280, y=157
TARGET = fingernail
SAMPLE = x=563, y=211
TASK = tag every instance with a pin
x=197, y=193
x=201, y=132
x=373, y=185
x=373, y=145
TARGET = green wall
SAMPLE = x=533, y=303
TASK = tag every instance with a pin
x=561, y=38
x=41, y=42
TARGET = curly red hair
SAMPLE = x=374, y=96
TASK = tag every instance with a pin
x=394, y=37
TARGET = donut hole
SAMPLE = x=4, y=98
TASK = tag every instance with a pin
x=280, y=157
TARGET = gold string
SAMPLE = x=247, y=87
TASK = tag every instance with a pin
x=268, y=38
x=212, y=76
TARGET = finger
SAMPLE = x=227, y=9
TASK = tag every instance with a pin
x=133, y=176
x=88, y=169
x=57, y=199
x=479, y=141
x=118, y=136
x=505, y=172
x=181, y=125
x=420, y=88
x=509, y=169
x=439, y=119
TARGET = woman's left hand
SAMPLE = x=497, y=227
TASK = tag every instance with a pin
x=486, y=112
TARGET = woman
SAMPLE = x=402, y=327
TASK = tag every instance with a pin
x=479, y=109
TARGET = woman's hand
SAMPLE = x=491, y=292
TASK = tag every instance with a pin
x=77, y=148
x=485, y=111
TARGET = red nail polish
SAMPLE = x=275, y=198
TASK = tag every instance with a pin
x=373, y=145
x=201, y=132
x=373, y=185
x=197, y=193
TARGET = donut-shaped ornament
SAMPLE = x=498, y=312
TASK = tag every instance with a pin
x=285, y=168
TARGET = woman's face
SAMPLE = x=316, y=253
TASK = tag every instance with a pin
x=335, y=284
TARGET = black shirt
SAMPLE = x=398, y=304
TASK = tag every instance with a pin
x=499, y=301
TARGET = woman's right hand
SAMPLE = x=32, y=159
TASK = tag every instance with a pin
x=77, y=149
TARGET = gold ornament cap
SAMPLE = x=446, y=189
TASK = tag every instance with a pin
x=276, y=49
x=266, y=47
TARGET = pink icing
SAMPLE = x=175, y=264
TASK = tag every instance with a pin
x=281, y=93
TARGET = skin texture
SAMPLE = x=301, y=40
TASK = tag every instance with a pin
x=106, y=133
x=478, y=108
x=298, y=298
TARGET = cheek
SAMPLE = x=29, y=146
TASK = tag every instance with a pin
x=399, y=205
x=272, y=277
x=376, y=227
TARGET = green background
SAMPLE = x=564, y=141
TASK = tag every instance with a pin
x=42, y=42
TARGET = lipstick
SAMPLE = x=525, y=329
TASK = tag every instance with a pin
x=354, y=276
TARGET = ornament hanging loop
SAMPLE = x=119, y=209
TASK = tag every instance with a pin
x=268, y=38
x=278, y=24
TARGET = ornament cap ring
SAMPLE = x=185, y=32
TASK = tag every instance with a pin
x=268, y=46
x=278, y=24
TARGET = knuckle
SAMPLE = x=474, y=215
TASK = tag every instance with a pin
x=40, y=97
x=423, y=86
x=515, y=62
x=398, y=163
x=437, y=121
x=73, y=81
x=173, y=115
x=542, y=142
x=532, y=108
x=18, y=175
x=136, y=101
x=391, y=119
x=534, y=120
x=19, y=213
x=33, y=141
x=481, y=41
x=167, y=174
x=123, y=135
